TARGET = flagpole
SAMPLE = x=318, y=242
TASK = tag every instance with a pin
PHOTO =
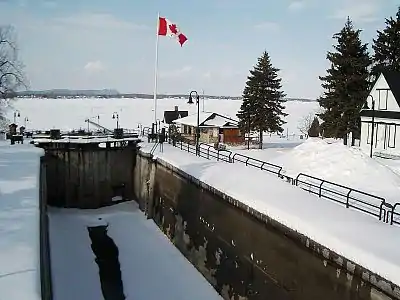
x=155, y=71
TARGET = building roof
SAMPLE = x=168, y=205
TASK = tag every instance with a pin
x=393, y=81
x=172, y=115
x=208, y=119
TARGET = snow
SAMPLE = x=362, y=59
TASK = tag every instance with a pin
x=191, y=120
x=340, y=229
x=83, y=140
x=219, y=121
x=66, y=114
x=333, y=161
x=273, y=146
x=151, y=265
x=19, y=221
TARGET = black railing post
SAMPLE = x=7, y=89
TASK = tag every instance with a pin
x=320, y=188
x=348, y=198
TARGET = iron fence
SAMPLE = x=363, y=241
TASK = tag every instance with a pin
x=351, y=198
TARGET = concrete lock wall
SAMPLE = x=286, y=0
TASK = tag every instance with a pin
x=243, y=253
x=89, y=178
x=44, y=244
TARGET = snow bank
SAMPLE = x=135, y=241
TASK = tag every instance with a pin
x=19, y=221
x=331, y=160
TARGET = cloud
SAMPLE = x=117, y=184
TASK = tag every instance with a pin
x=222, y=73
x=268, y=26
x=49, y=4
x=296, y=5
x=363, y=11
x=98, y=21
x=175, y=73
x=94, y=67
x=207, y=75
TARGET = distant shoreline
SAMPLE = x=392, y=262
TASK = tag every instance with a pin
x=107, y=95
x=111, y=93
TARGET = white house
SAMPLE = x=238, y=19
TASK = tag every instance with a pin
x=384, y=115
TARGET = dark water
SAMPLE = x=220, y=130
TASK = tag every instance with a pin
x=106, y=252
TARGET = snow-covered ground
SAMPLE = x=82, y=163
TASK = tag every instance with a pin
x=68, y=114
x=333, y=161
x=19, y=222
x=330, y=160
x=334, y=226
x=273, y=146
x=151, y=267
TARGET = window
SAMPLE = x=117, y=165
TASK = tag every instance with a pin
x=391, y=136
x=383, y=95
x=369, y=132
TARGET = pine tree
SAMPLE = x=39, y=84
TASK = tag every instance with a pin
x=314, y=130
x=262, y=107
x=387, y=47
x=346, y=84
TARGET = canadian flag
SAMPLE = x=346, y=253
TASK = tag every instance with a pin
x=167, y=28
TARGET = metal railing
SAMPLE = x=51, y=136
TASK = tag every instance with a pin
x=351, y=198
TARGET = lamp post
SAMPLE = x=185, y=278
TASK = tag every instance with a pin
x=248, y=134
x=198, y=118
x=116, y=116
x=158, y=125
x=203, y=99
x=373, y=122
x=16, y=114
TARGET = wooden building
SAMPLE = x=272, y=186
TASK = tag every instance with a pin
x=214, y=128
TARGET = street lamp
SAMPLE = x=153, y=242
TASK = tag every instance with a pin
x=198, y=118
x=373, y=122
x=116, y=116
x=158, y=125
x=16, y=114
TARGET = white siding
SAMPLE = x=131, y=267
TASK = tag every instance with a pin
x=386, y=135
x=384, y=100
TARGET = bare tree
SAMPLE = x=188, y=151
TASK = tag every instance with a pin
x=305, y=123
x=11, y=69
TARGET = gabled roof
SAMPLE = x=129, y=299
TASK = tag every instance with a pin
x=172, y=115
x=208, y=119
x=393, y=81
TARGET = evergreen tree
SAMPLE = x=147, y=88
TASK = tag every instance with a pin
x=262, y=107
x=314, y=130
x=387, y=47
x=346, y=84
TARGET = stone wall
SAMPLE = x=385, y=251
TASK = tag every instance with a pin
x=243, y=253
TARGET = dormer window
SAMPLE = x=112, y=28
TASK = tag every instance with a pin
x=383, y=95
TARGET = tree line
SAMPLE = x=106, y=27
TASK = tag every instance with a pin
x=347, y=83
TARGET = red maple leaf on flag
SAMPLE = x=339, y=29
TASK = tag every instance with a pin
x=173, y=28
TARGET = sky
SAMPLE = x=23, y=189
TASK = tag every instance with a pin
x=96, y=44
